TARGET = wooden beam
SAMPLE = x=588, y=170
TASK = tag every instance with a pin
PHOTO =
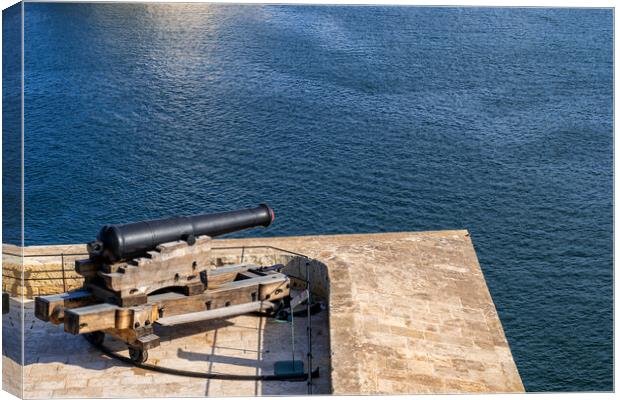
x=249, y=275
x=231, y=293
x=171, y=264
x=52, y=308
x=93, y=318
x=222, y=275
x=87, y=268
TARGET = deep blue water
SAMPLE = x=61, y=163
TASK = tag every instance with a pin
x=347, y=119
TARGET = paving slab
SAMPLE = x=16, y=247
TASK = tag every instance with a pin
x=409, y=312
x=66, y=366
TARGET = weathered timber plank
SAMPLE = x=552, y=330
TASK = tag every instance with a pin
x=172, y=264
x=87, y=268
x=93, y=318
x=231, y=293
x=52, y=308
x=102, y=293
x=136, y=317
x=146, y=342
x=176, y=303
x=250, y=274
x=107, y=316
x=193, y=289
x=143, y=338
x=222, y=275
x=274, y=290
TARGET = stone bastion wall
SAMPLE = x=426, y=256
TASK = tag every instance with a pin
x=408, y=312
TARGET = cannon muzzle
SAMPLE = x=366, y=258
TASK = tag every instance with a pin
x=116, y=242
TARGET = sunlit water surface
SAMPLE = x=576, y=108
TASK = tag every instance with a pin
x=346, y=119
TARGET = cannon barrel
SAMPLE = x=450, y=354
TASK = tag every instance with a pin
x=120, y=241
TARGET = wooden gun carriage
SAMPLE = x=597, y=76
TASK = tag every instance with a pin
x=130, y=288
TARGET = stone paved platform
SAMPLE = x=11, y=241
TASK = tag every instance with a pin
x=59, y=365
x=408, y=313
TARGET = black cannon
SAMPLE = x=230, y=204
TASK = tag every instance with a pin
x=163, y=272
x=121, y=241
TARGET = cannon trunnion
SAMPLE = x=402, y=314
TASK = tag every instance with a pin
x=166, y=283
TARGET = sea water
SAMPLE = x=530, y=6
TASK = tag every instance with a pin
x=346, y=119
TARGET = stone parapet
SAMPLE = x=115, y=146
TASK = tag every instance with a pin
x=40, y=270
